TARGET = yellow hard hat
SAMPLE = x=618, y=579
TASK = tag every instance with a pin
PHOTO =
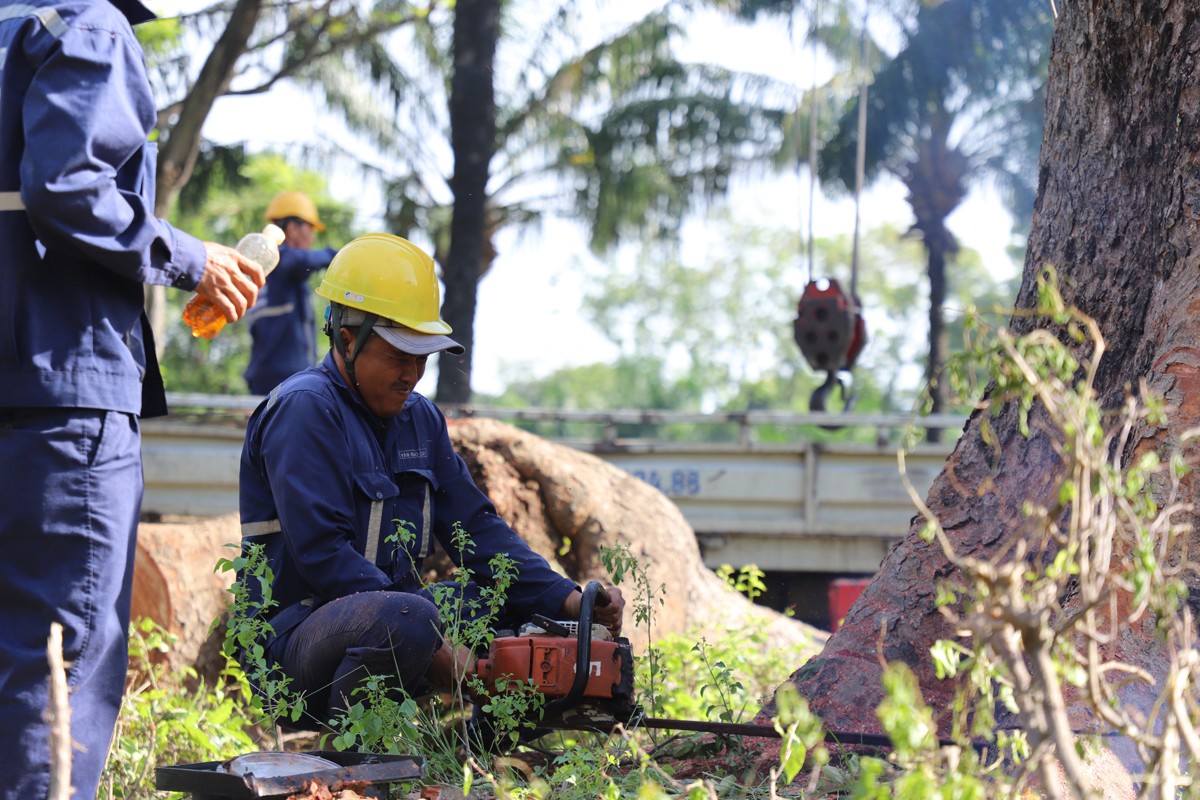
x=388, y=276
x=294, y=204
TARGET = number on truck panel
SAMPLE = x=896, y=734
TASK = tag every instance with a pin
x=676, y=483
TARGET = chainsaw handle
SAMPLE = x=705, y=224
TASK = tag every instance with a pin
x=583, y=647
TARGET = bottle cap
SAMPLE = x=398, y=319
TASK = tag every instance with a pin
x=274, y=234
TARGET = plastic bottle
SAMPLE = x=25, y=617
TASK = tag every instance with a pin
x=201, y=315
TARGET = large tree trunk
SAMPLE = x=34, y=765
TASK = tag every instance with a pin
x=937, y=185
x=567, y=504
x=1117, y=217
x=175, y=584
x=473, y=137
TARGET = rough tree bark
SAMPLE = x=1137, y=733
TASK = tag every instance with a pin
x=567, y=504
x=1117, y=217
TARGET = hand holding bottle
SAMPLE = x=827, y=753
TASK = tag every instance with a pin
x=232, y=278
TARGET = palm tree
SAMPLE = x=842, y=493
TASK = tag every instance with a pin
x=941, y=116
x=620, y=136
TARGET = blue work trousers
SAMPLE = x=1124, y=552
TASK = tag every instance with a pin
x=69, y=502
x=345, y=640
x=385, y=633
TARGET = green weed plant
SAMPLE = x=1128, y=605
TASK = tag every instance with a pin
x=1099, y=558
x=162, y=722
x=246, y=625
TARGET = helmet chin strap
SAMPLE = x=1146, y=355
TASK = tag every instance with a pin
x=334, y=328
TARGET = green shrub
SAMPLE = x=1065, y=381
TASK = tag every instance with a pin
x=163, y=722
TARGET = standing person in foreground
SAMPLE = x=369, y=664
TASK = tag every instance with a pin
x=347, y=478
x=282, y=328
x=77, y=362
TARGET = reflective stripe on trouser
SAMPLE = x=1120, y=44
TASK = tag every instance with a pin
x=69, y=503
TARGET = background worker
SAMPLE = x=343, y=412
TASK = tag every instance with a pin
x=282, y=327
x=77, y=367
x=348, y=477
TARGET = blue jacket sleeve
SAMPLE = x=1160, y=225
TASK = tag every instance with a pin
x=296, y=264
x=88, y=186
x=537, y=588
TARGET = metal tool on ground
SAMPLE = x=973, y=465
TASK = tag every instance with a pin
x=266, y=775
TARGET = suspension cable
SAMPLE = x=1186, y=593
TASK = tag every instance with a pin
x=860, y=156
x=813, y=118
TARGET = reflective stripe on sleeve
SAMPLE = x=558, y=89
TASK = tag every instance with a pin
x=256, y=313
x=11, y=201
x=53, y=22
x=48, y=17
x=261, y=528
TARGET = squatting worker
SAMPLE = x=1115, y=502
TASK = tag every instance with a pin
x=78, y=238
x=283, y=331
x=338, y=457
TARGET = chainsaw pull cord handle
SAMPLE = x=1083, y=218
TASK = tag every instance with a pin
x=592, y=593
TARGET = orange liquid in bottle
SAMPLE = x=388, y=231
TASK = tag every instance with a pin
x=200, y=314
x=203, y=318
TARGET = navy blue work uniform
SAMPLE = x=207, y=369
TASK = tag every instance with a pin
x=79, y=238
x=282, y=325
x=347, y=506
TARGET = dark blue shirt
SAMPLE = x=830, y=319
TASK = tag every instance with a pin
x=328, y=488
x=282, y=325
x=75, y=113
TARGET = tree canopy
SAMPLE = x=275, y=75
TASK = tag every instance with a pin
x=708, y=328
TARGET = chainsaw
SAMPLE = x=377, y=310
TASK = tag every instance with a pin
x=584, y=674
x=586, y=678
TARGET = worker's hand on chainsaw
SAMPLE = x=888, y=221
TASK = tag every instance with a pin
x=230, y=282
x=450, y=667
x=610, y=616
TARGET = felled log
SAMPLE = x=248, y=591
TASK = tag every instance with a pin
x=176, y=585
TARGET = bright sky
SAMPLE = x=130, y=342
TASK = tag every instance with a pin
x=528, y=320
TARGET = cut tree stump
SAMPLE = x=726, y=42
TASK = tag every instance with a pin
x=175, y=583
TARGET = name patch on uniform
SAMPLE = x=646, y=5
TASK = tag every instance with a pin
x=413, y=455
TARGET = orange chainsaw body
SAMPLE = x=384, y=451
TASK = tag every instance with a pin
x=547, y=663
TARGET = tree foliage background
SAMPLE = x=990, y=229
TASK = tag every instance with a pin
x=615, y=132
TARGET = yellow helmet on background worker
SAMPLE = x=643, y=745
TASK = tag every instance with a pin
x=294, y=204
x=394, y=280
